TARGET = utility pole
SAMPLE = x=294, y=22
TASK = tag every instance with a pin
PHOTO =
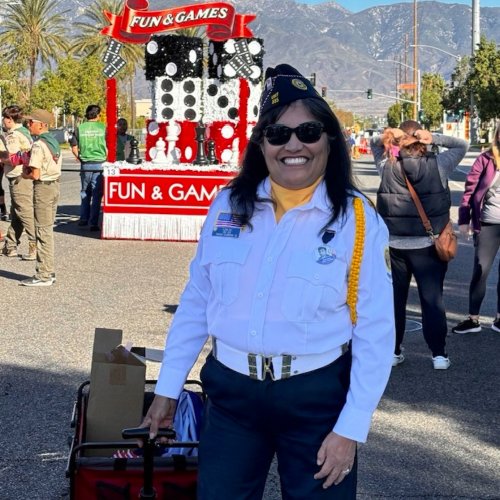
x=415, y=62
x=405, y=62
x=476, y=38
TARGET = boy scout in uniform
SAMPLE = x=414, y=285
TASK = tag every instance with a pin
x=17, y=143
x=44, y=168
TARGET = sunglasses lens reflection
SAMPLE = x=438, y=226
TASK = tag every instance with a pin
x=308, y=133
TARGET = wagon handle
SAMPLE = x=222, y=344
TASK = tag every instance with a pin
x=143, y=433
x=147, y=491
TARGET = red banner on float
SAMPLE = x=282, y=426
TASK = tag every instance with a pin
x=136, y=24
x=179, y=193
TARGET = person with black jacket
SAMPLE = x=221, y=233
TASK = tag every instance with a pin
x=399, y=153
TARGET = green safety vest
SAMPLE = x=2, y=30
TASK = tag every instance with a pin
x=91, y=138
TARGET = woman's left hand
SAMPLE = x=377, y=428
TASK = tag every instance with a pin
x=336, y=458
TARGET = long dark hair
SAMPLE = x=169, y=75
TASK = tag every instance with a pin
x=338, y=173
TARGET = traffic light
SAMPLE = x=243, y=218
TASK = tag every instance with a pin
x=369, y=94
x=312, y=79
x=323, y=91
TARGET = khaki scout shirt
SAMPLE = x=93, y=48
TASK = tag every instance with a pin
x=41, y=157
x=16, y=141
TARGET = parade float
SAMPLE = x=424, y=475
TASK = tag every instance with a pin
x=205, y=96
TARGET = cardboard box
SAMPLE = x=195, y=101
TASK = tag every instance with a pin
x=116, y=393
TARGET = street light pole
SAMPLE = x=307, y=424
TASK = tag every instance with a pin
x=416, y=87
x=437, y=48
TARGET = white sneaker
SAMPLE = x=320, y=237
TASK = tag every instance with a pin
x=441, y=363
x=37, y=282
x=495, y=326
x=397, y=359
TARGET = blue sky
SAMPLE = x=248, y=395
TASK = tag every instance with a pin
x=357, y=5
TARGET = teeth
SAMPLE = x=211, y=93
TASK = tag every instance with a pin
x=294, y=161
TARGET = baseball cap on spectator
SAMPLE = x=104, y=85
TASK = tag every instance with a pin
x=40, y=115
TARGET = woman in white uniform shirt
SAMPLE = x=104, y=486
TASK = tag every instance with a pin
x=290, y=280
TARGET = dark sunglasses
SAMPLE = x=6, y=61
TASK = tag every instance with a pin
x=308, y=133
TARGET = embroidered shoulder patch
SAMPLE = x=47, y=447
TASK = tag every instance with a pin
x=227, y=224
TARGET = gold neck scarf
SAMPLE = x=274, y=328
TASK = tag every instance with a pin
x=286, y=199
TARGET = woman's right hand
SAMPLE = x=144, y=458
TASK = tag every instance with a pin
x=464, y=230
x=160, y=414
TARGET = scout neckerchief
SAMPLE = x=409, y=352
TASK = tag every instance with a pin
x=23, y=130
x=52, y=144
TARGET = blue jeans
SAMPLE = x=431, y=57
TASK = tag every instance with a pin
x=91, y=193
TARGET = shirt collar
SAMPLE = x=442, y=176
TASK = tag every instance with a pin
x=319, y=198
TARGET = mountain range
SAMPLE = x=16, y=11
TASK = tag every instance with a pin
x=344, y=48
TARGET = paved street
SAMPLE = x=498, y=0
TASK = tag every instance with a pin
x=435, y=434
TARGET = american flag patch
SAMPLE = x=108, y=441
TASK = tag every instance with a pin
x=225, y=219
x=227, y=224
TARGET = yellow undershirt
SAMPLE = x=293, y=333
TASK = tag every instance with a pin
x=286, y=199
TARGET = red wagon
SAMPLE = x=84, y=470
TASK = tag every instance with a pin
x=125, y=476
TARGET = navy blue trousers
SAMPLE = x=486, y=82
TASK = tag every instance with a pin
x=246, y=422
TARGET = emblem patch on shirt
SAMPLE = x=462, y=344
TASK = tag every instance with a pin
x=324, y=255
x=227, y=225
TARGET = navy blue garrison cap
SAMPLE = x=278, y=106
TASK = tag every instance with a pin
x=283, y=85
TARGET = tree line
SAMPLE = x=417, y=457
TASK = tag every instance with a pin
x=477, y=76
x=34, y=33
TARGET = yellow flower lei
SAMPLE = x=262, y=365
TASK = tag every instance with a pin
x=357, y=257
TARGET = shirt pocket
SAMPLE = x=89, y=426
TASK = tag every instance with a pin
x=312, y=291
x=225, y=267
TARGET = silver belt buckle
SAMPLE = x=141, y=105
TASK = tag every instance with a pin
x=252, y=366
x=267, y=368
x=286, y=366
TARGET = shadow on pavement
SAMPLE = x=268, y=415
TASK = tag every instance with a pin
x=13, y=276
x=436, y=433
x=35, y=411
x=67, y=222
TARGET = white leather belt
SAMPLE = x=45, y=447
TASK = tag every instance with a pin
x=257, y=366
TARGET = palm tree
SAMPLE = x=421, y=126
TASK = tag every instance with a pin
x=90, y=41
x=31, y=32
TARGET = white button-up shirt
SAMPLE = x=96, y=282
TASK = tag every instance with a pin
x=266, y=290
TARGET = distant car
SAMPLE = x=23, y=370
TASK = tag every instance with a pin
x=62, y=135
